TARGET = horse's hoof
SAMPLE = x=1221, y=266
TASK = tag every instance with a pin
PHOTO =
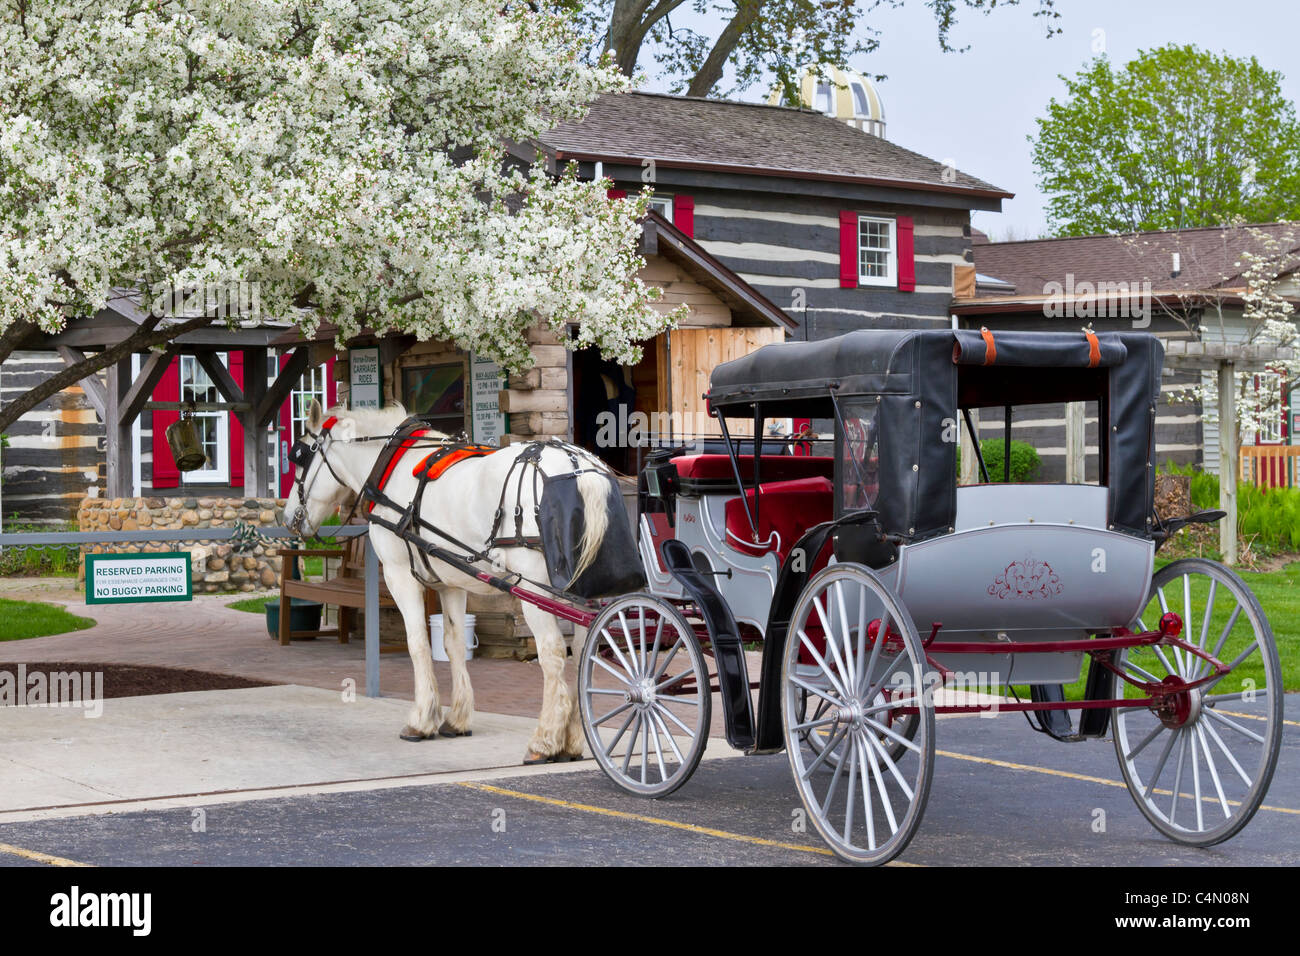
x=447, y=730
x=414, y=736
x=533, y=759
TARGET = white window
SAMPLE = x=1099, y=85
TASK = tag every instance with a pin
x=213, y=427
x=877, y=252
x=663, y=205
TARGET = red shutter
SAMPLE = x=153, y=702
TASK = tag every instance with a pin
x=235, y=363
x=285, y=439
x=617, y=194
x=331, y=384
x=684, y=214
x=906, y=257
x=848, y=249
x=168, y=389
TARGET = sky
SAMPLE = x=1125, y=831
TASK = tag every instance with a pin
x=979, y=107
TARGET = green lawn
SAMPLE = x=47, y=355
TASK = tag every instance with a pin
x=20, y=620
x=255, y=605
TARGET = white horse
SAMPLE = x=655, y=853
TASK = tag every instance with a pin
x=462, y=502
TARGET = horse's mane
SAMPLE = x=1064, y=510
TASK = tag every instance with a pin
x=372, y=421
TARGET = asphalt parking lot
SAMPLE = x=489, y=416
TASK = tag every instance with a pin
x=1002, y=796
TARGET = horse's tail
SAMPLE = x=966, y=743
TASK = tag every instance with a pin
x=593, y=487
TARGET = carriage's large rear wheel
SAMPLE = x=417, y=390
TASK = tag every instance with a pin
x=1199, y=765
x=852, y=661
x=643, y=689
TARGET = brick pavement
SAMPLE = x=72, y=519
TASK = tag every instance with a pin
x=206, y=635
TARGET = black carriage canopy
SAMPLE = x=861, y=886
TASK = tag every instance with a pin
x=912, y=384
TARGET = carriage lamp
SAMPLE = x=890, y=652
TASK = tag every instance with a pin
x=183, y=440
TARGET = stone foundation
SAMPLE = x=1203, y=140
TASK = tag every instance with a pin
x=215, y=565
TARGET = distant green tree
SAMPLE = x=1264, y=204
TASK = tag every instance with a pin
x=1177, y=137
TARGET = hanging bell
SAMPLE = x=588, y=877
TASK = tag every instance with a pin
x=183, y=439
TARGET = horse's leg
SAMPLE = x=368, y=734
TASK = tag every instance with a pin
x=574, y=737
x=453, y=639
x=550, y=739
x=408, y=593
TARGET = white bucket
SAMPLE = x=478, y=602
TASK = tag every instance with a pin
x=435, y=637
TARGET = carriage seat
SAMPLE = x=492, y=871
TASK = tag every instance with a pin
x=712, y=474
x=786, y=510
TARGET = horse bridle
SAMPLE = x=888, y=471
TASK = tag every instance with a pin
x=301, y=454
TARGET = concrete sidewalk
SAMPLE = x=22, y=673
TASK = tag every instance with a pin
x=208, y=742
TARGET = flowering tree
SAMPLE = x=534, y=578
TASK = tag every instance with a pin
x=347, y=157
x=1260, y=291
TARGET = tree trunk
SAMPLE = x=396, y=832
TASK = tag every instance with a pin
x=710, y=72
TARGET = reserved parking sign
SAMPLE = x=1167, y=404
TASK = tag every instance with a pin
x=138, y=577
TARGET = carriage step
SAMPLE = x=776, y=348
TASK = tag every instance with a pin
x=724, y=634
x=1057, y=722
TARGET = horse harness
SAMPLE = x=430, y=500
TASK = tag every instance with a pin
x=410, y=526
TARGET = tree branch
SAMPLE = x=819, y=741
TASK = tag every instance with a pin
x=710, y=72
x=143, y=338
x=13, y=338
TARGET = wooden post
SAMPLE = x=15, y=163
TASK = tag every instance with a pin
x=119, y=449
x=1075, y=455
x=256, y=460
x=970, y=468
x=372, y=620
x=1228, y=463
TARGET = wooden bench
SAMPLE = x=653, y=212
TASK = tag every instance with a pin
x=346, y=590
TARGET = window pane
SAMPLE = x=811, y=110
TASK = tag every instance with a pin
x=859, y=462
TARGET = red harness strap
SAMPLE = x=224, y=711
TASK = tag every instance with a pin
x=406, y=446
x=439, y=461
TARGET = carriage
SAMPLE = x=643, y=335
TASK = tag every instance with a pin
x=837, y=603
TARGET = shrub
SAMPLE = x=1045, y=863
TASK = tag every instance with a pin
x=1025, y=463
x=1269, y=516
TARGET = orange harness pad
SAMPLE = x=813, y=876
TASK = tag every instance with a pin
x=434, y=466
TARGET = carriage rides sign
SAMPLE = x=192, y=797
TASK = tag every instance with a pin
x=134, y=578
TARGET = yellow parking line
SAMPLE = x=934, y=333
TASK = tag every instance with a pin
x=658, y=821
x=39, y=857
x=1089, y=779
x=1233, y=713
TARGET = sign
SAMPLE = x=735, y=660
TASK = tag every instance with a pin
x=365, y=379
x=132, y=578
x=486, y=420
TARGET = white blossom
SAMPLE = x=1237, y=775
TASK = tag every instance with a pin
x=355, y=150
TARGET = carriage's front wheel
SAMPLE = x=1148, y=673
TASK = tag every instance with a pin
x=1199, y=765
x=643, y=690
x=853, y=655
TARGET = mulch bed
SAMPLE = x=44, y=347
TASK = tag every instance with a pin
x=135, y=680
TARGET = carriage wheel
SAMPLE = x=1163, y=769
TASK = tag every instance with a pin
x=904, y=725
x=643, y=688
x=852, y=648
x=1199, y=766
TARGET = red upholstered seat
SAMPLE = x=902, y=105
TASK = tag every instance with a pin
x=786, y=510
x=775, y=468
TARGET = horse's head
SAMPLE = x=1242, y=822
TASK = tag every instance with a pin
x=318, y=487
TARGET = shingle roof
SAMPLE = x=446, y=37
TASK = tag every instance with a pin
x=776, y=140
x=1209, y=257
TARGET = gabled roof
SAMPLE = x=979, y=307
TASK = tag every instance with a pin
x=1209, y=258
x=748, y=305
x=696, y=133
